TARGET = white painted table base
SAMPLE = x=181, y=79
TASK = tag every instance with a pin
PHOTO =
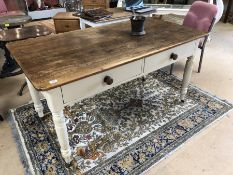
x=57, y=98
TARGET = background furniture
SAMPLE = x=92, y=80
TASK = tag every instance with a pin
x=90, y=4
x=37, y=13
x=4, y=11
x=15, y=5
x=201, y=16
x=17, y=34
x=1, y=118
x=229, y=5
x=65, y=22
x=219, y=4
x=119, y=15
x=9, y=21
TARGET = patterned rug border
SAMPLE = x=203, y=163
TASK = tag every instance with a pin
x=20, y=143
x=180, y=146
x=30, y=169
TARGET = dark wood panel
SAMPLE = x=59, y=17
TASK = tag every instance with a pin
x=78, y=54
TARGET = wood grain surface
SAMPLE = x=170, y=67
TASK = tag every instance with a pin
x=60, y=59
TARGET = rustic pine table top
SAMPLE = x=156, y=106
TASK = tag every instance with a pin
x=71, y=56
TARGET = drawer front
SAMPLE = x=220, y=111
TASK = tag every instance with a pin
x=163, y=59
x=94, y=84
x=66, y=25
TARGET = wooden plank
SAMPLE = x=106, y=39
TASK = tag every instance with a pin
x=56, y=60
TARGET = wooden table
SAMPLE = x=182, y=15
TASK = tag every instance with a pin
x=81, y=63
x=17, y=34
x=119, y=15
x=228, y=10
x=14, y=20
x=23, y=33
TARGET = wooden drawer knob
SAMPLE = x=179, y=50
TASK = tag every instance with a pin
x=108, y=80
x=173, y=56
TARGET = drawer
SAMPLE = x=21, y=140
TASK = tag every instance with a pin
x=94, y=84
x=66, y=25
x=163, y=59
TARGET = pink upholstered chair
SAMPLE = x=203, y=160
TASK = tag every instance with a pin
x=3, y=8
x=5, y=12
x=201, y=16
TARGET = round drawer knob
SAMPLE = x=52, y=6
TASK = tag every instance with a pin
x=108, y=80
x=174, y=56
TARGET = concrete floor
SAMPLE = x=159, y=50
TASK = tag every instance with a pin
x=208, y=153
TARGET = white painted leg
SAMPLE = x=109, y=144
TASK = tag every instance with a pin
x=186, y=77
x=82, y=24
x=55, y=103
x=36, y=99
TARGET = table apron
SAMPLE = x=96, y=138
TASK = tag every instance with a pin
x=95, y=84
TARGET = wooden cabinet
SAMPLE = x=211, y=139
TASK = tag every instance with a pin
x=65, y=22
x=90, y=4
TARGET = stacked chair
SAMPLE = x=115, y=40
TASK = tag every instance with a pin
x=201, y=16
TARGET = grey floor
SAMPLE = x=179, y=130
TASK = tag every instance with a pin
x=208, y=153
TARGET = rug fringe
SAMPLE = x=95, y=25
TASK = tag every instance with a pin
x=20, y=146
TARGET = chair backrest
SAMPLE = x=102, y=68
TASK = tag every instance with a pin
x=3, y=8
x=200, y=16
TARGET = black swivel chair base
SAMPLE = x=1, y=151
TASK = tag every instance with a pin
x=20, y=93
x=1, y=118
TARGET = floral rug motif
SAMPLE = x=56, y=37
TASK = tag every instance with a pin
x=124, y=130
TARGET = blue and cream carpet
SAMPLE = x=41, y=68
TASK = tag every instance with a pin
x=124, y=130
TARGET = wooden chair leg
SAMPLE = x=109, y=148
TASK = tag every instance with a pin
x=171, y=69
x=201, y=58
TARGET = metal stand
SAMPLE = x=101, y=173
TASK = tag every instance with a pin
x=20, y=93
x=1, y=118
x=10, y=64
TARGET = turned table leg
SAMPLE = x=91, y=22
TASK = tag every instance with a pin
x=36, y=99
x=55, y=104
x=186, y=77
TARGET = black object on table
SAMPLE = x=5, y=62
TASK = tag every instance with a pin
x=17, y=34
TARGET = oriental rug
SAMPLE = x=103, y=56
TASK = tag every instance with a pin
x=124, y=130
